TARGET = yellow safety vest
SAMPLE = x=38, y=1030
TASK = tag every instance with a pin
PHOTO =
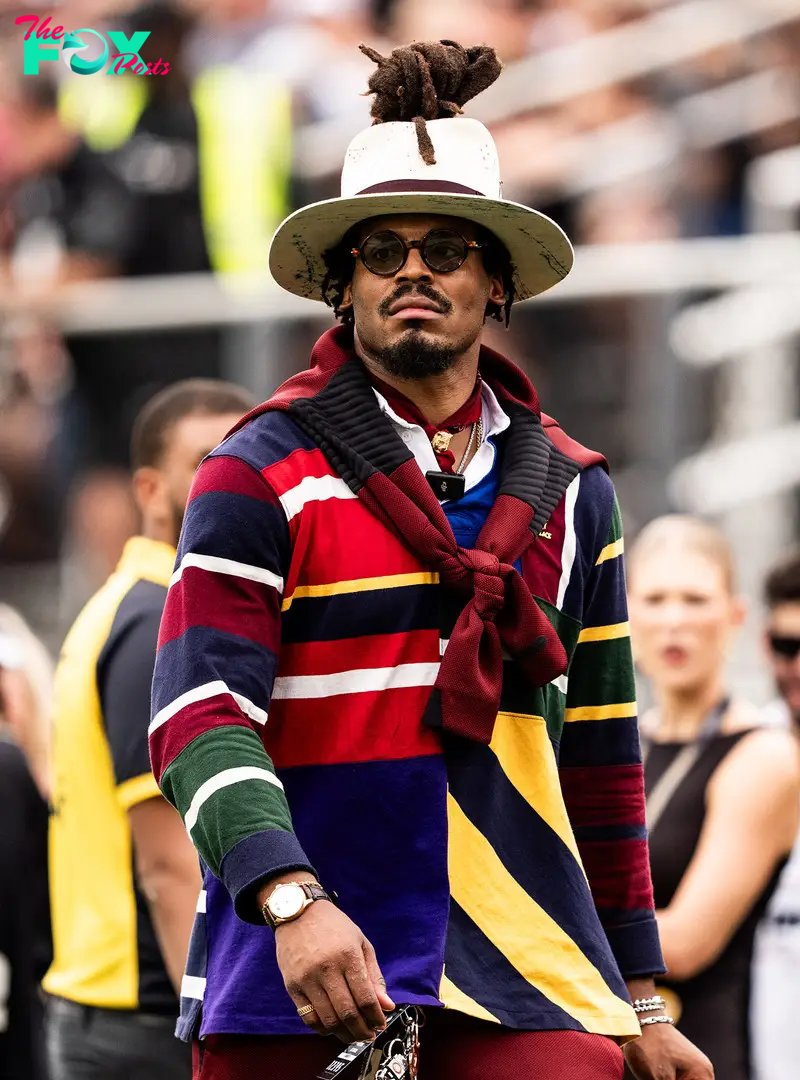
x=92, y=898
x=244, y=124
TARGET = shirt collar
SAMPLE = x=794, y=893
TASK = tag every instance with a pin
x=150, y=559
x=494, y=418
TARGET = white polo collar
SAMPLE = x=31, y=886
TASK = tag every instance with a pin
x=494, y=420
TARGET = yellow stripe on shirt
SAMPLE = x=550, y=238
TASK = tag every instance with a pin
x=453, y=998
x=601, y=712
x=543, y=954
x=605, y=633
x=137, y=790
x=340, y=588
x=522, y=747
x=611, y=551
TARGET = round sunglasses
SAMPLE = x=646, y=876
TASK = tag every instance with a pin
x=442, y=250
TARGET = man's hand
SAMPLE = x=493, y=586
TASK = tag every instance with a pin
x=662, y=1053
x=327, y=962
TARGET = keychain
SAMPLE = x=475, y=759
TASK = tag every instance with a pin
x=396, y=1057
x=400, y=1056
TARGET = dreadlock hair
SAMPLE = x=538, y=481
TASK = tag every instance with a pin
x=428, y=80
x=339, y=263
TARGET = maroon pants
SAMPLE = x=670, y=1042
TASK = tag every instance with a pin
x=451, y=1048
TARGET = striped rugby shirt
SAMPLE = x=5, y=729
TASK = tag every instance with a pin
x=299, y=644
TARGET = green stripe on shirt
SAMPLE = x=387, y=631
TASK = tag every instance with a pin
x=602, y=673
x=205, y=784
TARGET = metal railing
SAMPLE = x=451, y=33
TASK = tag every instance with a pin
x=600, y=271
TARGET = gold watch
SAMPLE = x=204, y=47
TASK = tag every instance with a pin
x=289, y=900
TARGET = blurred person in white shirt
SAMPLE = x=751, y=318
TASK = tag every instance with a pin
x=26, y=686
x=776, y=970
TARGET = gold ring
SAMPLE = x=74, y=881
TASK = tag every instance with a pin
x=306, y=1009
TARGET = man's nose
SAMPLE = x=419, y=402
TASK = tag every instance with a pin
x=414, y=269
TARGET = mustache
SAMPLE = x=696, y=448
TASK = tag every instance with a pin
x=420, y=289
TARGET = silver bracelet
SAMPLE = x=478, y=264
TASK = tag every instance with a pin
x=643, y=1005
x=655, y=1020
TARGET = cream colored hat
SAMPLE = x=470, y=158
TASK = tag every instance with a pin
x=384, y=173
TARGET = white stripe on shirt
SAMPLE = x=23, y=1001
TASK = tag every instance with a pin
x=314, y=489
x=193, y=986
x=224, y=779
x=202, y=693
x=356, y=681
x=213, y=564
x=570, y=539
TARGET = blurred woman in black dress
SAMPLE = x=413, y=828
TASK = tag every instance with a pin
x=722, y=791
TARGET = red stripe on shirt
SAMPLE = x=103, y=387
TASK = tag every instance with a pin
x=233, y=475
x=375, y=651
x=604, y=795
x=175, y=734
x=287, y=473
x=375, y=725
x=321, y=555
x=223, y=602
x=618, y=873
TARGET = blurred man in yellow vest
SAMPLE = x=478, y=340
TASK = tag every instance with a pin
x=189, y=175
x=124, y=879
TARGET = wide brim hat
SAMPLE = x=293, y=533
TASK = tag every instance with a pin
x=384, y=174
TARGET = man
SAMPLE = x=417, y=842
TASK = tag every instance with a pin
x=124, y=880
x=776, y=964
x=355, y=691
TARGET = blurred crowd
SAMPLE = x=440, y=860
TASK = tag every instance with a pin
x=189, y=172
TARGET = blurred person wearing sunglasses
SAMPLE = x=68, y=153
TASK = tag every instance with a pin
x=776, y=970
x=123, y=877
x=722, y=789
x=360, y=710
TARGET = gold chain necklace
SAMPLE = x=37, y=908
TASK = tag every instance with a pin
x=477, y=429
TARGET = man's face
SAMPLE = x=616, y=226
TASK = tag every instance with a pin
x=783, y=632
x=447, y=310
x=187, y=443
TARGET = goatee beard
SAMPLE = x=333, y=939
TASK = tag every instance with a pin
x=415, y=356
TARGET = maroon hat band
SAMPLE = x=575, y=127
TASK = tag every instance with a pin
x=420, y=185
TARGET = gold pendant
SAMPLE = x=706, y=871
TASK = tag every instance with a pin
x=441, y=441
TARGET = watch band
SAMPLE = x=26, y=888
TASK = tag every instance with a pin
x=314, y=891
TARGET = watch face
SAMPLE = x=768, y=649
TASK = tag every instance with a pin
x=286, y=901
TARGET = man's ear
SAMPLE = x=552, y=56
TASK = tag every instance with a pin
x=347, y=297
x=497, y=290
x=146, y=485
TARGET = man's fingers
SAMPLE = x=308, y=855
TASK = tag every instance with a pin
x=336, y=987
x=323, y=1019
x=378, y=981
x=365, y=994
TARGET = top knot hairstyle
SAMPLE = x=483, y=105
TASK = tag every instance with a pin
x=428, y=80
